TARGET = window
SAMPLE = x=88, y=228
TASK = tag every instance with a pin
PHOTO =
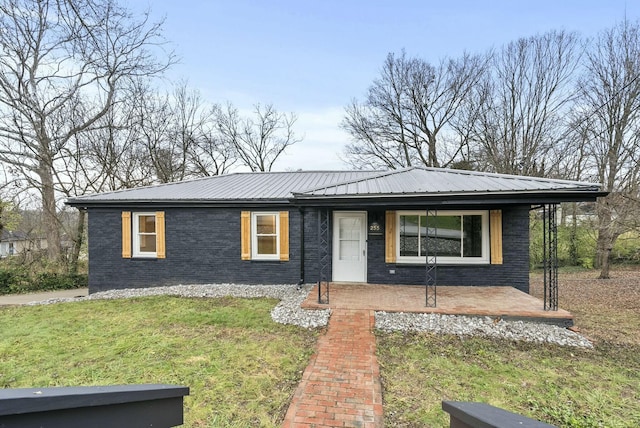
x=143, y=235
x=453, y=236
x=265, y=235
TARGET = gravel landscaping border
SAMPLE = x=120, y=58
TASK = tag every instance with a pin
x=288, y=311
x=480, y=326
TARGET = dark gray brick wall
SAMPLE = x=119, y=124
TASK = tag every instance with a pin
x=203, y=246
x=513, y=272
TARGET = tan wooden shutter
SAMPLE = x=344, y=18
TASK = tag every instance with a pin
x=390, y=237
x=245, y=235
x=284, y=236
x=495, y=229
x=160, y=241
x=126, y=234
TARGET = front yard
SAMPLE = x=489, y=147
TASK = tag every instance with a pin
x=241, y=367
x=566, y=387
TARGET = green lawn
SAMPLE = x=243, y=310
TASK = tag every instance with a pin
x=566, y=387
x=242, y=367
x=562, y=386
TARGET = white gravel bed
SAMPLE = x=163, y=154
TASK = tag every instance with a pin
x=288, y=311
x=480, y=326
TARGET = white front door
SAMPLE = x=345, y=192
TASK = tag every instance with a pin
x=349, y=247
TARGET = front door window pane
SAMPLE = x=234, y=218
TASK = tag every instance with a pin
x=349, y=236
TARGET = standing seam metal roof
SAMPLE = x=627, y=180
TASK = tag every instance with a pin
x=230, y=187
x=274, y=186
x=430, y=181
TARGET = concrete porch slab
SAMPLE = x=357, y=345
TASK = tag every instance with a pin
x=498, y=302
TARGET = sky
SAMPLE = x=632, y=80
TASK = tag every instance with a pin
x=312, y=57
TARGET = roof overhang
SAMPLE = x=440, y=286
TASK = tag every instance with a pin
x=410, y=187
x=444, y=200
x=435, y=200
x=187, y=203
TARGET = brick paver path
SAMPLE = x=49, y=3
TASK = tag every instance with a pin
x=340, y=387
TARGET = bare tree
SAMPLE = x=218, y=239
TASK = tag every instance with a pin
x=109, y=157
x=179, y=134
x=407, y=112
x=212, y=154
x=610, y=111
x=62, y=64
x=112, y=157
x=257, y=141
x=516, y=118
x=205, y=152
x=157, y=125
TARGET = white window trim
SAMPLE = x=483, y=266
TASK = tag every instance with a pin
x=254, y=236
x=136, y=235
x=483, y=260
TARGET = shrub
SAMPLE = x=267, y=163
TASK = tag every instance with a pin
x=48, y=281
x=576, y=246
x=627, y=248
x=20, y=278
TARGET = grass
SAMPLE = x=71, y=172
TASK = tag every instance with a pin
x=241, y=367
x=604, y=310
x=561, y=386
x=566, y=387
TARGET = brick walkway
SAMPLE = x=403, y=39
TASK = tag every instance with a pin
x=340, y=387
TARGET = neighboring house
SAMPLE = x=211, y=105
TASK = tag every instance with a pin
x=17, y=242
x=290, y=227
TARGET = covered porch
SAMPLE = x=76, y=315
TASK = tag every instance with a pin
x=497, y=302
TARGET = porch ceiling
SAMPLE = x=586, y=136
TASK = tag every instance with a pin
x=498, y=302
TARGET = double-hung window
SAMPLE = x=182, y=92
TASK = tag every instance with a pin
x=265, y=235
x=452, y=236
x=144, y=235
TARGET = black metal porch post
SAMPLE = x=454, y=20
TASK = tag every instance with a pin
x=431, y=261
x=323, y=256
x=550, y=256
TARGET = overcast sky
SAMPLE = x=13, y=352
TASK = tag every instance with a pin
x=311, y=57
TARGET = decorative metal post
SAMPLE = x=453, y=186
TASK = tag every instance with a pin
x=323, y=256
x=431, y=278
x=550, y=256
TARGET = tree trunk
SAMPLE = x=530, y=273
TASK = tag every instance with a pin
x=573, y=236
x=604, y=264
x=606, y=238
x=49, y=215
x=77, y=242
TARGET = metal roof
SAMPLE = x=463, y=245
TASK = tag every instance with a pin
x=309, y=186
x=420, y=181
x=251, y=186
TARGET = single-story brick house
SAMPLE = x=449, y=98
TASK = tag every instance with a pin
x=307, y=226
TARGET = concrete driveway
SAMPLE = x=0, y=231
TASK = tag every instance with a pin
x=21, y=299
